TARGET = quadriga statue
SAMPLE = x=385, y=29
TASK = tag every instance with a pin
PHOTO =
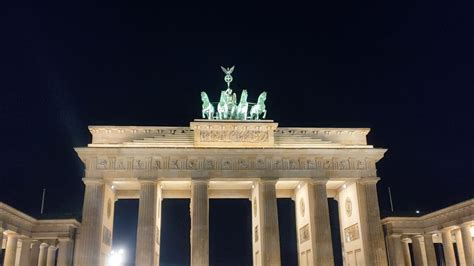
x=259, y=108
x=207, y=107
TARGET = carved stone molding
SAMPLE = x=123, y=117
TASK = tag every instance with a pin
x=230, y=163
x=235, y=134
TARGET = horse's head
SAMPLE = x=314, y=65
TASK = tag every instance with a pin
x=263, y=96
x=223, y=96
x=243, y=96
x=204, y=97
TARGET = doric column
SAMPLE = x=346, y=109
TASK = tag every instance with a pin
x=25, y=252
x=321, y=236
x=430, y=250
x=34, y=253
x=199, y=222
x=65, y=252
x=459, y=247
x=10, y=250
x=91, y=228
x=51, y=257
x=371, y=227
x=419, y=250
x=1, y=241
x=448, y=247
x=395, y=250
x=43, y=254
x=467, y=242
x=265, y=222
x=406, y=252
x=145, y=251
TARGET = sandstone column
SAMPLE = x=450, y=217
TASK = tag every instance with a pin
x=406, y=252
x=65, y=252
x=43, y=253
x=1, y=241
x=91, y=228
x=145, y=252
x=199, y=222
x=321, y=235
x=25, y=252
x=459, y=247
x=10, y=250
x=419, y=250
x=430, y=250
x=448, y=247
x=467, y=242
x=51, y=257
x=266, y=231
x=34, y=254
x=395, y=250
x=371, y=227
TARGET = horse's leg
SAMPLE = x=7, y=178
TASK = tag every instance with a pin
x=264, y=114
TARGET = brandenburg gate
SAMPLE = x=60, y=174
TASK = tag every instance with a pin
x=234, y=153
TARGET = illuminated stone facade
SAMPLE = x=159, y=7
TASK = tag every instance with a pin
x=454, y=224
x=27, y=241
x=255, y=160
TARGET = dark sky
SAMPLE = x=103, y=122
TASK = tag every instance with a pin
x=402, y=68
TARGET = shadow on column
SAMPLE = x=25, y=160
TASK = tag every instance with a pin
x=230, y=232
x=125, y=228
x=175, y=228
x=335, y=231
x=439, y=254
x=287, y=228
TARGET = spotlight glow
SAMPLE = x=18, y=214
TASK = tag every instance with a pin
x=417, y=212
x=116, y=258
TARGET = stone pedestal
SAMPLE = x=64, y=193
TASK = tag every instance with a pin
x=10, y=250
x=65, y=252
x=25, y=252
x=430, y=250
x=395, y=250
x=448, y=247
x=419, y=250
x=371, y=227
x=467, y=242
x=43, y=254
x=91, y=228
x=321, y=235
x=51, y=257
x=145, y=252
x=406, y=252
x=199, y=223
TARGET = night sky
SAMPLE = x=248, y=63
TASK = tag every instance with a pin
x=402, y=68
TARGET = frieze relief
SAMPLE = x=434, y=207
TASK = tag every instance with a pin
x=231, y=163
x=237, y=135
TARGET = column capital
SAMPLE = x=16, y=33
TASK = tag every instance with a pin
x=447, y=229
x=418, y=237
x=369, y=180
x=395, y=235
x=44, y=245
x=147, y=181
x=467, y=224
x=64, y=239
x=268, y=179
x=93, y=181
x=200, y=180
x=318, y=180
